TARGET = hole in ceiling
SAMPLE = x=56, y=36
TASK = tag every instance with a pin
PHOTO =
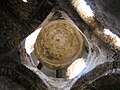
x=114, y=37
x=85, y=9
x=25, y=1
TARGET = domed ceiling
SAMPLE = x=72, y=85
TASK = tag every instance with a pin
x=19, y=18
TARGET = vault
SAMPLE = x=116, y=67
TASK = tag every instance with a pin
x=60, y=44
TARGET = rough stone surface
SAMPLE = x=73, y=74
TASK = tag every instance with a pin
x=107, y=12
x=8, y=84
x=19, y=19
x=18, y=74
x=108, y=82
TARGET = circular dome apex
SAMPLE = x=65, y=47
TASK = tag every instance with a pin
x=58, y=44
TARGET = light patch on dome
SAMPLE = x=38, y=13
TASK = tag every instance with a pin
x=85, y=9
x=76, y=68
x=25, y=1
x=30, y=41
x=118, y=42
x=114, y=36
x=108, y=32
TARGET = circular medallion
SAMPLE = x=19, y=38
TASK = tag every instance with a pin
x=58, y=44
